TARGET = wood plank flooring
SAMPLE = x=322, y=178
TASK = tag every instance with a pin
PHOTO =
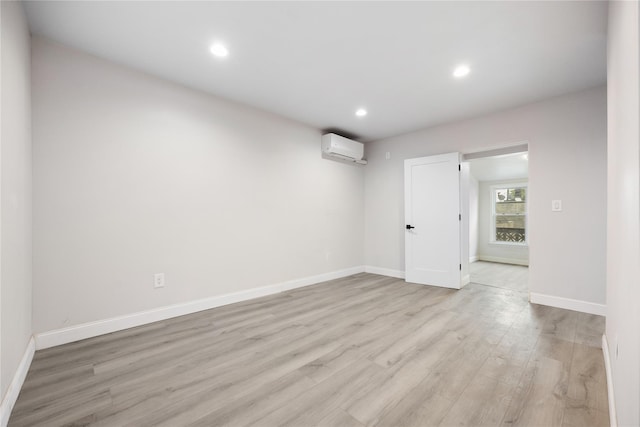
x=365, y=350
x=506, y=276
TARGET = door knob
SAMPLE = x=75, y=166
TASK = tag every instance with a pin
x=409, y=227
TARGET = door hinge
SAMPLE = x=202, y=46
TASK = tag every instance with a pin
x=459, y=168
x=460, y=267
x=459, y=217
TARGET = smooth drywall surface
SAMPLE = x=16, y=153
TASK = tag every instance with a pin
x=516, y=254
x=567, y=160
x=135, y=176
x=623, y=230
x=15, y=192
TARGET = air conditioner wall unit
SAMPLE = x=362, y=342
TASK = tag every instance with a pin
x=343, y=148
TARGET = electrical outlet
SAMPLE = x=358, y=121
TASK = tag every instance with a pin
x=387, y=155
x=556, y=205
x=158, y=280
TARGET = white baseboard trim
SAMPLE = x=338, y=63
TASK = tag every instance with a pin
x=568, y=303
x=384, y=271
x=503, y=260
x=473, y=258
x=613, y=419
x=312, y=280
x=106, y=326
x=13, y=391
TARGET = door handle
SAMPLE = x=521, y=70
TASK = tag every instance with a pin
x=409, y=227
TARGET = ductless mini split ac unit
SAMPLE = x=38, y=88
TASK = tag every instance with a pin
x=343, y=148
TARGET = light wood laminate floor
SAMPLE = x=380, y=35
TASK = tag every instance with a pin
x=507, y=276
x=363, y=350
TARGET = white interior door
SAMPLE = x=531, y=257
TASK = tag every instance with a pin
x=465, y=184
x=432, y=221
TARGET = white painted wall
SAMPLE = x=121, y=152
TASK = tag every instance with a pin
x=135, y=176
x=567, y=160
x=515, y=254
x=623, y=230
x=15, y=192
x=474, y=188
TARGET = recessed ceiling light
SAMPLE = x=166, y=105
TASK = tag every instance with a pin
x=218, y=50
x=361, y=112
x=461, y=71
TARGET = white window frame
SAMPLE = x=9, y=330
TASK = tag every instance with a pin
x=492, y=216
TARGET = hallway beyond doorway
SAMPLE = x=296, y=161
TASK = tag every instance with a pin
x=506, y=276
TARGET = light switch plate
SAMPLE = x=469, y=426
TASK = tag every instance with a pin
x=556, y=205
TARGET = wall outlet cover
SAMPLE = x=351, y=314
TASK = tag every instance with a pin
x=158, y=280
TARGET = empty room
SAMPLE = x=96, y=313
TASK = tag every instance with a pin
x=332, y=213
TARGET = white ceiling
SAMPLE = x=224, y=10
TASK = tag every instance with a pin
x=498, y=168
x=316, y=62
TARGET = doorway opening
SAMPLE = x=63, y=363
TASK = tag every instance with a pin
x=498, y=218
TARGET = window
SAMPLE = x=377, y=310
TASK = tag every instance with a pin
x=509, y=214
